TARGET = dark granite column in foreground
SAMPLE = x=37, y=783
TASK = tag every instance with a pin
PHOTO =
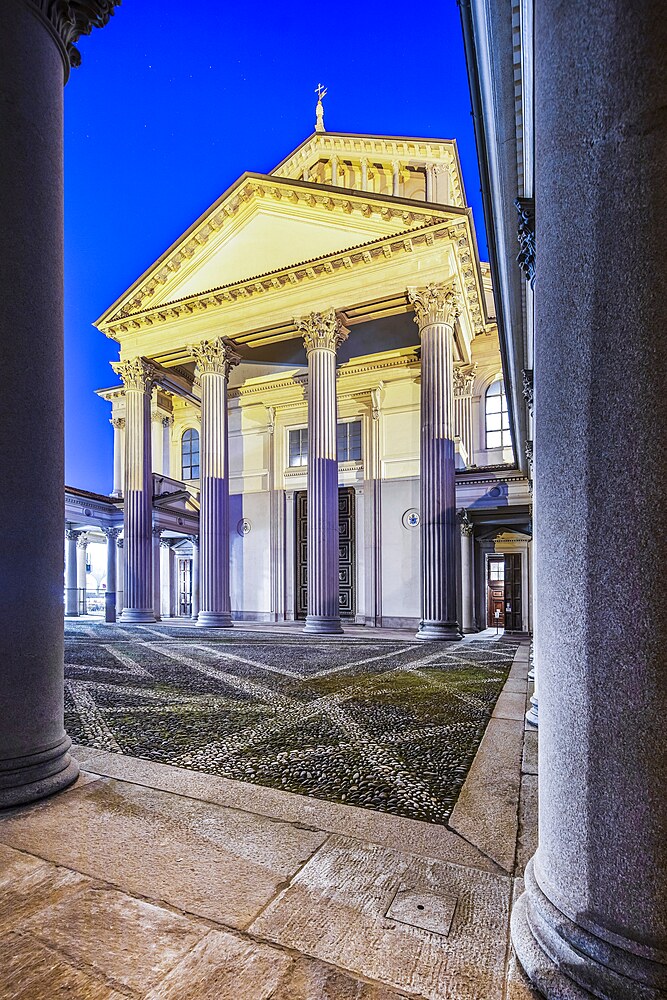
x=436, y=308
x=593, y=919
x=35, y=54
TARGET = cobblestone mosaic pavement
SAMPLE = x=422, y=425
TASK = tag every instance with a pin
x=385, y=725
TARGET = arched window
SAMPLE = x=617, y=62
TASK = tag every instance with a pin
x=190, y=454
x=496, y=417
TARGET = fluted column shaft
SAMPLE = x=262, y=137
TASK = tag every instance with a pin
x=593, y=919
x=322, y=333
x=215, y=359
x=157, y=572
x=165, y=578
x=71, y=600
x=118, y=423
x=81, y=574
x=467, y=589
x=35, y=48
x=110, y=595
x=436, y=308
x=137, y=376
x=120, y=576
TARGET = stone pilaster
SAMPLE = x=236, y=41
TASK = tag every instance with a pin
x=215, y=359
x=110, y=595
x=165, y=578
x=120, y=576
x=436, y=308
x=167, y=424
x=195, y=576
x=118, y=424
x=137, y=377
x=467, y=582
x=593, y=919
x=322, y=335
x=81, y=574
x=71, y=594
x=157, y=568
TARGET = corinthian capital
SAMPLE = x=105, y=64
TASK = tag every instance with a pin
x=322, y=330
x=67, y=20
x=137, y=373
x=435, y=303
x=218, y=356
x=118, y=423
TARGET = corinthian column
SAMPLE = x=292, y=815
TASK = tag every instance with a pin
x=322, y=334
x=118, y=424
x=110, y=595
x=36, y=49
x=71, y=593
x=137, y=377
x=436, y=308
x=467, y=591
x=215, y=359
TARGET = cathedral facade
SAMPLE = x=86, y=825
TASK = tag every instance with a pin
x=311, y=420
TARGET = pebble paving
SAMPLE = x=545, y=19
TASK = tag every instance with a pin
x=383, y=724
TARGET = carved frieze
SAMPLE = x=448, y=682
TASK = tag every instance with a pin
x=435, y=303
x=321, y=330
x=217, y=356
x=526, y=236
x=527, y=387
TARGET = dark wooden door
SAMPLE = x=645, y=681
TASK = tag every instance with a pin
x=513, y=596
x=346, y=571
x=495, y=600
x=184, y=587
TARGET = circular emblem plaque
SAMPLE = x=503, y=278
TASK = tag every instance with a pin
x=411, y=518
x=244, y=526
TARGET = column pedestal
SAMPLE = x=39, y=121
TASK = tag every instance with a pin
x=322, y=334
x=215, y=359
x=436, y=308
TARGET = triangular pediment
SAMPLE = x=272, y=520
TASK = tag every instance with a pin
x=262, y=225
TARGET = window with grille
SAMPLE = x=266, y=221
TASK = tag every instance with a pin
x=190, y=454
x=349, y=441
x=497, y=422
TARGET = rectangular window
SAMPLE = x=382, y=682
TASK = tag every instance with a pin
x=349, y=441
x=298, y=447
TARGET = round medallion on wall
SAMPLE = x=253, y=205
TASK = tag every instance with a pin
x=179, y=520
x=244, y=526
x=411, y=518
x=87, y=512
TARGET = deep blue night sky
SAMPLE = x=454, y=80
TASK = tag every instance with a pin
x=175, y=100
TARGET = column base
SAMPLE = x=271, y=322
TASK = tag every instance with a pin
x=35, y=776
x=215, y=619
x=110, y=607
x=566, y=961
x=322, y=625
x=132, y=616
x=443, y=631
x=532, y=713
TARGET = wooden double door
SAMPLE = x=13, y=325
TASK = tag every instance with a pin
x=504, y=593
x=346, y=553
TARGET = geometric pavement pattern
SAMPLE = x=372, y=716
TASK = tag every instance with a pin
x=386, y=725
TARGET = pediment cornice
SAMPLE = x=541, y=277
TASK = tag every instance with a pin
x=372, y=211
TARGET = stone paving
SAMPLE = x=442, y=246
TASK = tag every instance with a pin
x=388, y=725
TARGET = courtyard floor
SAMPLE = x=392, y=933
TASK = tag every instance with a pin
x=182, y=864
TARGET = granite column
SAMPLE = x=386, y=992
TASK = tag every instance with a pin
x=215, y=359
x=322, y=335
x=36, y=49
x=593, y=919
x=137, y=376
x=436, y=308
x=81, y=572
